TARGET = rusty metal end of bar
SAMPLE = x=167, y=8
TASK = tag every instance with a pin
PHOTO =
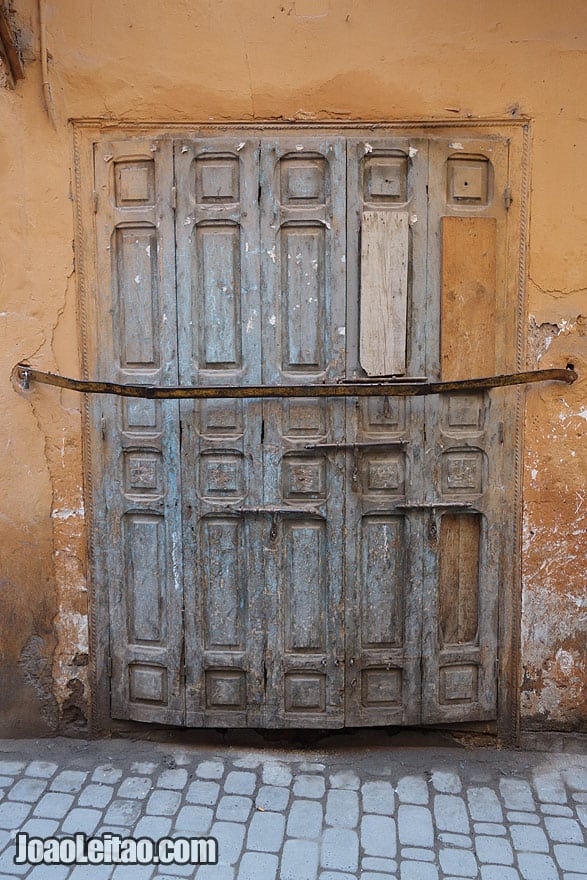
x=21, y=374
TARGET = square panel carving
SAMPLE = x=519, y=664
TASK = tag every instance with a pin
x=383, y=474
x=386, y=179
x=381, y=687
x=142, y=473
x=303, y=181
x=221, y=418
x=147, y=684
x=464, y=412
x=383, y=414
x=458, y=684
x=305, y=692
x=217, y=180
x=468, y=181
x=462, y=471
x=221, y=475
x=134, y=183
x=140, y=414
x=304, y=477
x=225, y=689
x=304, y=418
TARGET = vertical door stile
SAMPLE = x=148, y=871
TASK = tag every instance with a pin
x=303, y=282
x=386, y=259
x=137, y=519
x=465, y=454
x=219, y=307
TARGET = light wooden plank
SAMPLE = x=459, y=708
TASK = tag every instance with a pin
x=459, y=578
x=384, y=292
x=468, y=304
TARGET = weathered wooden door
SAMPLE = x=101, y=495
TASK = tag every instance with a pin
x=301, y=562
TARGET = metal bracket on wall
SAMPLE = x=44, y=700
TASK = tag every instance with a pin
x=386, y=387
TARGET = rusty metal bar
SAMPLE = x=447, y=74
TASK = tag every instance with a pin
x=377, y=387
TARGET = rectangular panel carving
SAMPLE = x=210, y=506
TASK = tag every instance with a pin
x=304, y=477
x=383, y=473
x=384, y=292
x=468, y=297
x=219, y=282
x=382, y=581
x=145, y=570
x=464, y=412
x=383, y=414
x=303, y=418
x=302, y=267
x=385, y=179
x=304, y=586
x=462, y=472
x=225, y=689
x=134, y=183
x=468, y=181
x=221, y=417
x=305, y=692
x=142, y=473
x=136, y=262
x=217, y=180
x=460, y=536
x=221, y=475
x=303, y=181
x=381, y=687
x=458, y=684
x=147, y=684
x=224, y=600
x=140, y=414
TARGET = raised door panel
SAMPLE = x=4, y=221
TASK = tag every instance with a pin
x=219, y=330
x=136, y=482
x=303, y=271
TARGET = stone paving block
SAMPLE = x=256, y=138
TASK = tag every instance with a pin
x=250, y=762
x=580, y=797
x=258, y=866
x=494, y=850
x=272, y=797
x=28, y=790
x=446, y=782
x=203, y=792
x=230, y=837
x=370, y=875
x=384, y=866
x=412, y=790
x=418, y=871
x=215, y=872
x=133, y=872
x=13, y=814
x=517, y=794
x=550, y=788
x=484, y=805
x=194, y=820
x=107, y=774
x=122, y=812
x=119, y=830
x=491, y=828
x=576, y=778
x=299, y=860
x=153, y=827
x=378, y=797
x=6, y=781
x=461, y=840
x=240, y=782
x=582, y=814
x=345, y=779
x=342, y=808
x=311, y=767
x=143, y=768
x=336, y=875
x=419, y=855
x=305, y=819
x=135, y=787
x=571, y=858
x=415, y=826
x=276, y=774
x=210, y=770
x=340, y=850
x=98, y=796
x=563, y=830
x=534, y=866
x=499, y=872
x=378, y=836
x=523, y=818
x=233, y=808
x=81, y=819
x=450, y=813
x=11, y=768
x=42, y=769
x=309, y=786
x=566, y=876
x=529, y=838
x=92, y=872
x=163, y=802
x=459, y=862
x=556, y=810
x=38, y=828
x=172, y=779
x=7, y=865
x=50, y=872
x=69, y=781
x=266, y=832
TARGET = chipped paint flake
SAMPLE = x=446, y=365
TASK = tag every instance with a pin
x=240, y=146
x=456, y=145
x=412, y=152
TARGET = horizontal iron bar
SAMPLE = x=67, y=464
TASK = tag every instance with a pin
x=26, y=374
x=431, y=505
x=360, y=444
x=271, y=511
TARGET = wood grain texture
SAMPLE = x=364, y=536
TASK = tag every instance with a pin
x=384, y=292
x=459, y=578
x=468, y=297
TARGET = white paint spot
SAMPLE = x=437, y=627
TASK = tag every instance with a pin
x=412, y=152
x=368, y=148
x=108, y=157
x=184, y=149
x=175, y=556
x=343, y=258
x=240, y=146
x=273, y=320
x=582, y=414
x=534, y=473
x=455, y=146
x=246, y=247
x=413, y=219
x=327, y=224
x=67, y=513
x=299, y=146
x=148, y=250
x=153, y=148
x=164, y=317
x=187, y=221
x=249, y=325
x=341, y=331
x=137, y=279
x=272, y=255
x=565, y=660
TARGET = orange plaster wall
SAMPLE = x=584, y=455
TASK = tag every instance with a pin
x=176, y=60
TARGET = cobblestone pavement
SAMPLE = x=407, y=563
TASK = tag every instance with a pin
x=318, y=814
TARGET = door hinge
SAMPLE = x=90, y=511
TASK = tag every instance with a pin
x=173, y=198
x=95, y=196
x=507, y=198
